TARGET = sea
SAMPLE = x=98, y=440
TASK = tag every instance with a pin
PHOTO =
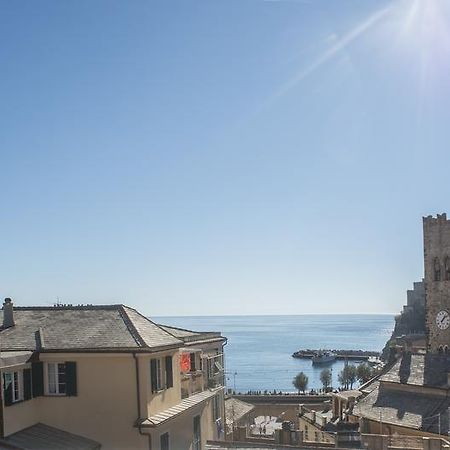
x=258, y=354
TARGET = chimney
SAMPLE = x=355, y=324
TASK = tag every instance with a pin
x=8, y=313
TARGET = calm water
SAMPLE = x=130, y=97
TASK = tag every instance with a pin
x=259, y=347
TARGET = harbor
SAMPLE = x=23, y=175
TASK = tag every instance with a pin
x=346, y=355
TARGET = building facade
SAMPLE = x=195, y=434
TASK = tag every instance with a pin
x=109, y=375
x=436, y=235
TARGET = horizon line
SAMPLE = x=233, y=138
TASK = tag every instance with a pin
x=279, y=315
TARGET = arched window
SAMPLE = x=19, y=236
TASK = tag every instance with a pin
x=447, y=268
x=437, y=270
x=446, y=349
x=440, y=349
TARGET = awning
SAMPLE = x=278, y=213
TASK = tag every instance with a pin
x=42, y=436
x=180, y=408
x=9, y=359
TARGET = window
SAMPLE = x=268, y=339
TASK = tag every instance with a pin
x=56, y=378
x=437, y=270
x=169, y=372
x=156, y=375
x=161, y=373
x=447, y=268
x=197, y=441
x=164, y=441
x=193, y=367
x=13, y=387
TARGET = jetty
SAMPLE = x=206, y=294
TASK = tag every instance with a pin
x=355, y=355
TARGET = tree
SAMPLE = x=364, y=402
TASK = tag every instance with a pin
x=348, y=376
x=364, y=372
x=352, y=375
x=325, y=378
x=300, y=382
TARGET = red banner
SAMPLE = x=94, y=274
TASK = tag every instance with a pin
x=185, y=362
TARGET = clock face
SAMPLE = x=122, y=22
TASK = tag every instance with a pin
x=443, y=320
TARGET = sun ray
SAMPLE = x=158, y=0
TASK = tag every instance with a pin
x=331, y=52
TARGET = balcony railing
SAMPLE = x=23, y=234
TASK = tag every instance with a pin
x=210, y=376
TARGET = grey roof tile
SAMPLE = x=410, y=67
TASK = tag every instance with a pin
x=151, y=333
x=406, y=409
x=43, y=437
x=419, y=370
x=235, y=409
x=109, y=327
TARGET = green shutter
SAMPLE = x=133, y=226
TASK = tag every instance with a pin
x=37, y=376
x=169, y=372
x=7, y=391
x=71, y=378
x=153, y=375
x=27, y=384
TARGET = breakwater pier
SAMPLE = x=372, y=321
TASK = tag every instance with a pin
x=355, y=355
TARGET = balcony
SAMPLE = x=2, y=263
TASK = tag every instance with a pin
x=191, y=383
x=210, y=374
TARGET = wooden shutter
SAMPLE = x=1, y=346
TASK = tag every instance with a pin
x=169, y=372
x=27, y=384
x=164, y=441
x=193, y=362
x=37, y=376
x=71, y=378
x=154, y=375
x=7, y=392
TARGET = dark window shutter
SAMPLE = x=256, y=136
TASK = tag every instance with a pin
x=7, y=392
x=37, y=376
x=164, y=441
x=26, y=384
x=169, y=372
x=71, y=378
x=193, y=362
x=153, y=375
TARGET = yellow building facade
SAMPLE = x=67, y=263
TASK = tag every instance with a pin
x=111, y=376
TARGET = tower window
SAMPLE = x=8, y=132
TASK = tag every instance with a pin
x=447, y=268
x=437, y=270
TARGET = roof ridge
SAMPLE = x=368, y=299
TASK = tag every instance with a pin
x=68, y=307
x=153, y=323
x=162, y=325
x=131, y=328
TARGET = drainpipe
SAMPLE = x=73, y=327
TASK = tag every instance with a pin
x=2, y=418
x=138, y=394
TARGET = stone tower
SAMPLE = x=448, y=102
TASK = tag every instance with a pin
x=436, y=237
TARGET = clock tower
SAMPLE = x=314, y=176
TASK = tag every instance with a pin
x=436, y=237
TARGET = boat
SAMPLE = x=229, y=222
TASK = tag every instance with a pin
x=323, y=357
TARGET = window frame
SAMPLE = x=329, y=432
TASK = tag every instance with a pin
x=58, y=392
x=160, y=379
x=197, y=439
x=163, y=380
x=15, y=383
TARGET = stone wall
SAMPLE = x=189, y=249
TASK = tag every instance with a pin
x=436, y=235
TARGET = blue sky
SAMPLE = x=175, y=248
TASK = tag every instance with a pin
x=221, y=156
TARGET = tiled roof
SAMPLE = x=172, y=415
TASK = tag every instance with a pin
x=69, y=328
x=178, y=332
x=43, y=437
x=191, y=337
x=8, y=359
x=405, y=409
x=235, y=409
x=419, y=370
